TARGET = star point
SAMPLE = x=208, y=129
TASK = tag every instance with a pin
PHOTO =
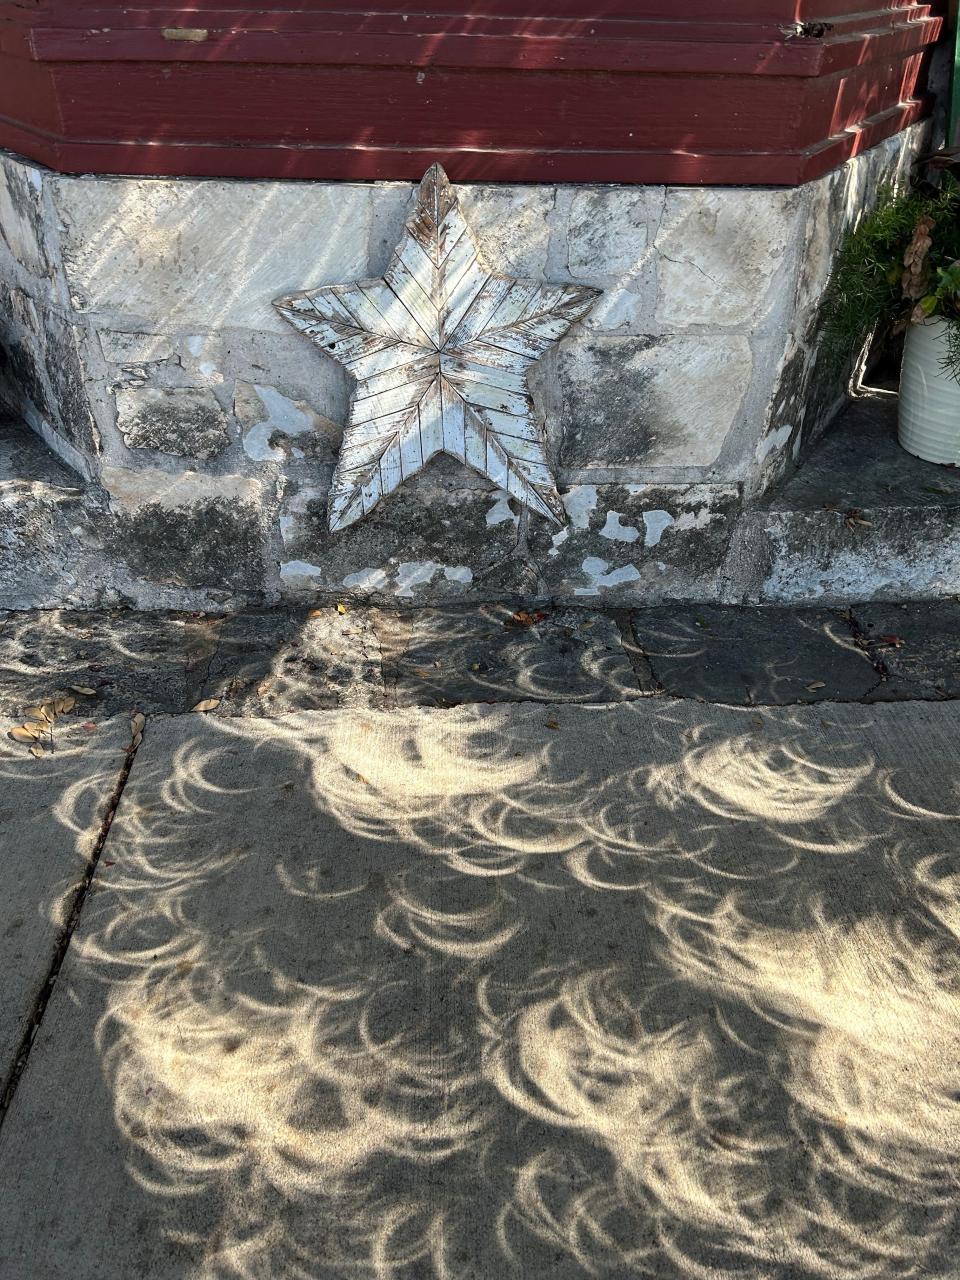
x=439, y=349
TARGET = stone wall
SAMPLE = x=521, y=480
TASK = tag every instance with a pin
x=140, y=341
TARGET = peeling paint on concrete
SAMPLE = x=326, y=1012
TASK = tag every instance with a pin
x=774, y=441
x=300, y=569
x=458, y=573
x=557, y=542
x=600, y=575
x=411, y=574
x=580, y=502
x=263, y=413
x=656, y=522
x=501, y=511
x=367, y=580
x=615, y=531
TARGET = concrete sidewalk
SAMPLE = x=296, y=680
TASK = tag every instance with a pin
x=641, y=986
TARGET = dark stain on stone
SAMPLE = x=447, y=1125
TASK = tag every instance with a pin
x=187, y=423
x=610, y=418
x=73, y=417
x=216, y=543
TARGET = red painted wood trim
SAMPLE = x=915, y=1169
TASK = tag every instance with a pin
x=337, y=91
x=364, y=163
x=517, y=52
x=96, y=12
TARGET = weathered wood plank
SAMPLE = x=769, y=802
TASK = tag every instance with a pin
x=417, y=392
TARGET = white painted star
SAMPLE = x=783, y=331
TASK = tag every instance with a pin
x=440, y=348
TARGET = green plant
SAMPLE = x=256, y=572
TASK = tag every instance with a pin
x=899, y=264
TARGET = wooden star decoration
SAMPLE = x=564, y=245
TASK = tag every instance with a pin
x=440, y=348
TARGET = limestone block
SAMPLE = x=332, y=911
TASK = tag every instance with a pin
x=130, y=488
x=69, y=380
x=188, y=530
x=275, y=428
x=177, y=254
x=286, y=362
x=834, y=202
x=651, y=401
x=186, y=423
x=638, y=542
x=608, y=232
x=512, y=225
x=44, y=373
x=722, y=257
x=134, y=348
x=21, y=214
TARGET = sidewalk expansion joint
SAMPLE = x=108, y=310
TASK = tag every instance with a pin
x=8, y=1087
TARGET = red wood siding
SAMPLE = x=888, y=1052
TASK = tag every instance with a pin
x=624, y=91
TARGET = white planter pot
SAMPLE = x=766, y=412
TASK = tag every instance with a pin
x=929, y=398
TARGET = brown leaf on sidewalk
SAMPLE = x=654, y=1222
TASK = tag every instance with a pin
x=84, y=690
x=26, y=732
x=206, y=704
x=137, y=722
x=816, y=684
x=37, y=750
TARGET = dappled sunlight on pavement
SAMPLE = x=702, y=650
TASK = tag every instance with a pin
x=656, y=990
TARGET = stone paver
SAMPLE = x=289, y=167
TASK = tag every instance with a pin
x=259, y=663
x=134, y=661
x=441, y=657
x=754, y=656
x=274, y=662
x=918, y=644
x=51, y=811
x=658, y=989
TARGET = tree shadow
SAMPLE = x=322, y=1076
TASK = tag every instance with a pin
x=662, y=991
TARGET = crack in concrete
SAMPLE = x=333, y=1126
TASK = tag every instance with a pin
x=862, y=641
x=21, y=1057
x=688, y=262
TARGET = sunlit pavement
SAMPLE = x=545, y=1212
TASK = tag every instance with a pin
x=619, y=985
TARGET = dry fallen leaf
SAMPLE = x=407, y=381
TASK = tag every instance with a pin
x=48, y=712
x=84, y=690
x=37, y=750
x=137, y=739
x=24, y=733
x=206, y=704
x=315, y=613
x=33, y=713
x=137, y=722
x=817, y=684
x=552, y=723
x=853, y=519
x=341, y=608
